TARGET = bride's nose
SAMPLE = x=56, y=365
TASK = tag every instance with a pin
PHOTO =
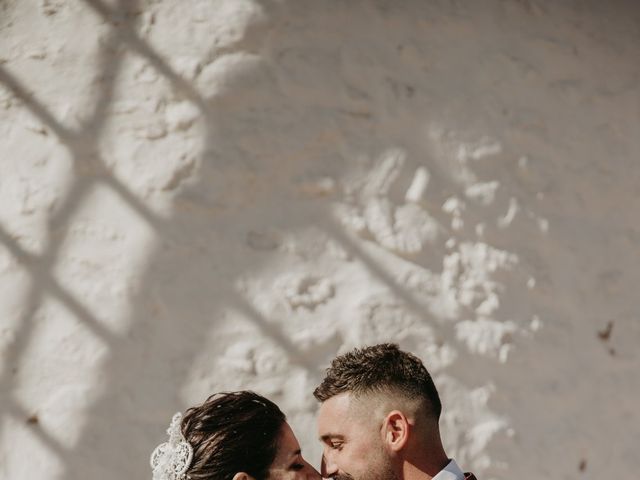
x=312, y=473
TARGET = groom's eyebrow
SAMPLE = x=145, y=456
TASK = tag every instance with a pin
x=331, y=436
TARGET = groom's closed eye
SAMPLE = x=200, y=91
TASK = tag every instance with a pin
x=335, y=442
x=336, y=445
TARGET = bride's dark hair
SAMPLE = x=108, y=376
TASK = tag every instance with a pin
x=230, y=433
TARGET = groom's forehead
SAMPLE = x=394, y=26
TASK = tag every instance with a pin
x=333, y=416
x=333, y=419
x=344, y=413
x=336, y=406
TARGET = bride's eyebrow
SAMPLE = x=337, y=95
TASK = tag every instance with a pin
x=296, y=453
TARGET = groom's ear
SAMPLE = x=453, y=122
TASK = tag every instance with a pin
x=395, y=429
x=242, y=476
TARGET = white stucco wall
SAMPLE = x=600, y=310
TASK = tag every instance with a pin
x=207, y=195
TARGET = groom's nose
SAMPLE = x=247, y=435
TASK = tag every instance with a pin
x=327, y=467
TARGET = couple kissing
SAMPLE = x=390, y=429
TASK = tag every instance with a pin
x=378, y=420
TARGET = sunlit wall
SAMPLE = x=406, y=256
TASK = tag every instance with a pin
x=201, y=195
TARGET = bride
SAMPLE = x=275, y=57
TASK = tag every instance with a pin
x=231, y=436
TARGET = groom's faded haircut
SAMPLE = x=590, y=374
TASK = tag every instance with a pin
x=380, y=369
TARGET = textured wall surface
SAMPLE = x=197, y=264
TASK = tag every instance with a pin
x=205, y=195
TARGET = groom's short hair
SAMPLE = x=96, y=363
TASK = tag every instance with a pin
x=380, y=369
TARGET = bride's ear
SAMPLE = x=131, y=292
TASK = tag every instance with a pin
x=242, y=476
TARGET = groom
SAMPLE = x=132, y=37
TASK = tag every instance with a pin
x=378, y=419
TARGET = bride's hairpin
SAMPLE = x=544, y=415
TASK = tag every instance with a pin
x=171, y=460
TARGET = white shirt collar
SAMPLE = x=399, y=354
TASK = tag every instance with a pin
x=451, y=472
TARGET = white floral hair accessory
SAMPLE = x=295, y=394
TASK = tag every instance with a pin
x=171, y=460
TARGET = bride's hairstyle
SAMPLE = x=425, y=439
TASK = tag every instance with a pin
x=230, y=433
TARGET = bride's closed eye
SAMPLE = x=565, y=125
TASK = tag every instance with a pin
x=296, y=467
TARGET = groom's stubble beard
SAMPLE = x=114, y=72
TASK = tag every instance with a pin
x=381, y=470
x=369, y=475
x=384, y=471
x=342, y=476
